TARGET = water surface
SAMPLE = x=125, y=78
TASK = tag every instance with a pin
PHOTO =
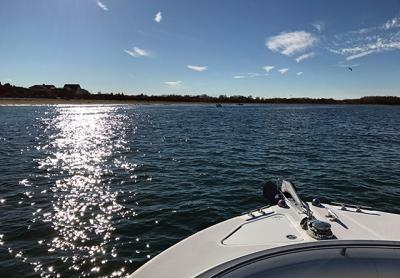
x=98, y=190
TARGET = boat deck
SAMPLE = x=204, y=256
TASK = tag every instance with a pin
x=264, y=229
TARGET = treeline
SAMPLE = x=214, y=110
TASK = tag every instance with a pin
x=51, y=92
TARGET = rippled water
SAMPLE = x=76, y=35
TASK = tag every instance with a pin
x=98, y=190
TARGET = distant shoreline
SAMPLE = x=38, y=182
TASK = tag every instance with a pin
x=54, y=101
x=74, y=94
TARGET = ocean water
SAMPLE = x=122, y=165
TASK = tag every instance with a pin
x=96, y=191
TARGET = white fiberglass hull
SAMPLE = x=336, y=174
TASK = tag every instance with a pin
x=278, y=227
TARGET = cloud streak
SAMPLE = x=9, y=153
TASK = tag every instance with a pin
x=158, y=17
x=283, y=70
x=197, y=68
x=362, y=49
x=247, y=75
x=366, y=41
x=305, y=56
x=359, y=55
x=102, y=5
x=173, y=83
x=319, y=26
x=137, y=52
x=291, y=43
x=392, y=23
x=347, y=65
x=268, y=68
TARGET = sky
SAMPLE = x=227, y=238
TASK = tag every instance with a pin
x=247, y=47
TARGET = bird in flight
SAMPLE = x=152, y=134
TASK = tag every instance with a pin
x=350, y=69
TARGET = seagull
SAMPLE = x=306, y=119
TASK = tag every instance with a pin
x=350, y=69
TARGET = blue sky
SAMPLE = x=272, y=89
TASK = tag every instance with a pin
x=260, y=48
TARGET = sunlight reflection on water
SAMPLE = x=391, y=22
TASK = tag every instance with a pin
x=83, y=204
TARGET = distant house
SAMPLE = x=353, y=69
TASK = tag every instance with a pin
x=42, y=87
x=75, y=89
x=72, y=87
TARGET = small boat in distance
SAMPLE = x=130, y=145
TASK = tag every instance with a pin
x=289, y=238
x=218, y=105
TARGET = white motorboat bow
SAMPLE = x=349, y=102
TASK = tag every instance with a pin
x=290, y=238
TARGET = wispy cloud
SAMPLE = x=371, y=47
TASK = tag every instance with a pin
x=305, y=56
x=283, y=70
x=173, y=83
x=299, y=73
x=347, y=65
x=247, y=75
x=359, y=55
x=268, y=68
x=392, y=23
x=158, y=17
x=319, y=26
x=388, y=25
x=137, y=52
x=197, y=68
x=291, y=43
x=102, y=5
x=361, y=50
x=362, y=42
